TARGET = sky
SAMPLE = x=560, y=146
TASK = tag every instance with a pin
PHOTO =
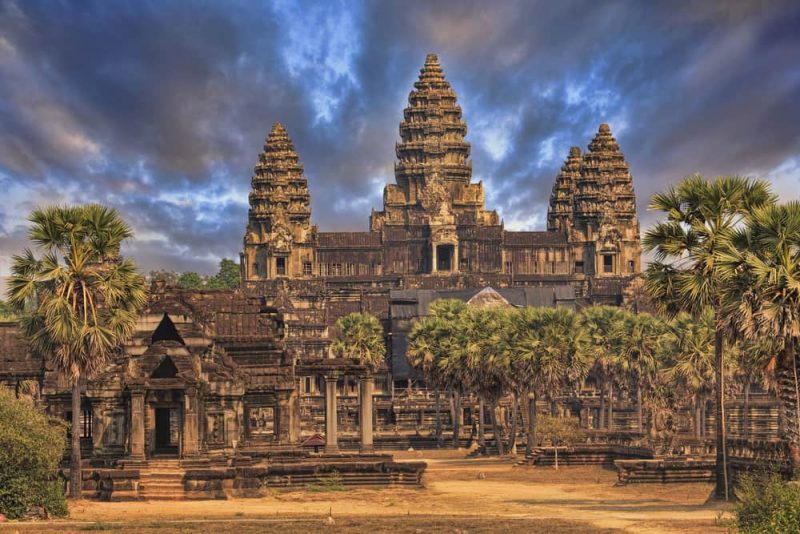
x=160, y=108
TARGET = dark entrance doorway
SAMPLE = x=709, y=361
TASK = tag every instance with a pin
x=444, y=257
x=167, y=431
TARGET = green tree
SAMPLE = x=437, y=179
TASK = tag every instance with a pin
x=599, y=323
x=763, y=269
x=637, y=339
x=429, y=346
x=560, y=432
x=190, y=280
x=31, y=445
x=227, y=277
x=691, y=348
x=7, y=312
x=361, y=339
x=548, y=354
x=79, y=300
x=702, y=218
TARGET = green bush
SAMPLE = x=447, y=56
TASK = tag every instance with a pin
x=31, y=445
x=767, y=504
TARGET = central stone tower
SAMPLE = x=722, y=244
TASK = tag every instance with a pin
x=433, y=197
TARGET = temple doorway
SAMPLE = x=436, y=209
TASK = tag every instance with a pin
x=444, y=257
x=167, y=430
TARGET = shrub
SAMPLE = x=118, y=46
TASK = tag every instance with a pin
x=31, y=445
x=767, y=504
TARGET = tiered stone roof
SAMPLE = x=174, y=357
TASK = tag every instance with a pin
x=279, y=188
x=605, y=187
x=561, y=198
x=432, y=131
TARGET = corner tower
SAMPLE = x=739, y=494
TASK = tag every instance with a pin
x=604, y=226
x=279, y=234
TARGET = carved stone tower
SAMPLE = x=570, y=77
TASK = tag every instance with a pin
x=279, y=233
x=433, y=194
x=559, y=214
x=604, y=226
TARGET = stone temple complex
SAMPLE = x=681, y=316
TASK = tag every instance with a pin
x=236, y=376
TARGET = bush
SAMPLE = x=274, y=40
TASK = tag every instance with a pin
x=31, y=445
x=767, y=504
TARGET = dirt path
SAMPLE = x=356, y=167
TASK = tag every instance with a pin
x=478, y=495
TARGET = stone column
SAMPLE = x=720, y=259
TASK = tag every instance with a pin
x=190, y=424
x=365, y=415
x=137, y=425
x=331, y=437
x=434, y=259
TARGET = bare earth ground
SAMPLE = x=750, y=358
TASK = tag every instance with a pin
x=461, y=495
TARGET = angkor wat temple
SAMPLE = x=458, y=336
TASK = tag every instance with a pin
x=213, y=374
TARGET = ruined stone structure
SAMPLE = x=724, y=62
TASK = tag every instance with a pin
x=220, y=375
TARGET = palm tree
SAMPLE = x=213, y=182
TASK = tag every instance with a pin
x=79, y=300
x=360, y=339
x=524, y=340
x=764, y=268
x=637, y=339
x=751, y=359
x=482, y=362
x=599, y=322
x=690, y=345
x=702, y=218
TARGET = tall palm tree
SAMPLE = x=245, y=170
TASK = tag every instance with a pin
x=637, y=339
x=702, y=217
x=599, y=322
x=690, y=345
x=524, y=340
x=360, y=339
x=764, y=268
x=79, y=299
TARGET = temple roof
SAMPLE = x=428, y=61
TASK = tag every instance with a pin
x=534, y=238
x=349, y=239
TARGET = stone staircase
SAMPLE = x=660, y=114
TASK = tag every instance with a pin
x=162, y=479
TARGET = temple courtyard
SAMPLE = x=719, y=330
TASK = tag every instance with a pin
x=460, y=495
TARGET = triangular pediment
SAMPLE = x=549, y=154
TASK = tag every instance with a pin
x=166, y=331
x=165, y=369
x=488, y=298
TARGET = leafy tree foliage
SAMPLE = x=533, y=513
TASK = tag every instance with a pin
x=31, y=445
x=79, y=300
x=361, y=339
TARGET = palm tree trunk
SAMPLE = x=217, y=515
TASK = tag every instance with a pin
x=602, y=423
x=746, y=410
x=722, y=453
x=639, y=417
x=75, y=482
x=531, y=424
x=438, y=409
x=794, y=441
x=498, y=435
x=456, y=418
x=555, y=451
x=481, y=425
x=698, y=417
x=512, y=439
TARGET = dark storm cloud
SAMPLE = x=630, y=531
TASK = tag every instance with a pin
x=160, y=108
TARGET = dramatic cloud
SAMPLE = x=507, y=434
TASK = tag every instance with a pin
x=160, y=108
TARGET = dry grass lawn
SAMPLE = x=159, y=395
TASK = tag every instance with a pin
x=461, y=495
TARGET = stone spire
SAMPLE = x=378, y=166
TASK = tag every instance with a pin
x=432, y=133
x=605, y=189
x=561, y=199
x=433, y=171
x=279, y=193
